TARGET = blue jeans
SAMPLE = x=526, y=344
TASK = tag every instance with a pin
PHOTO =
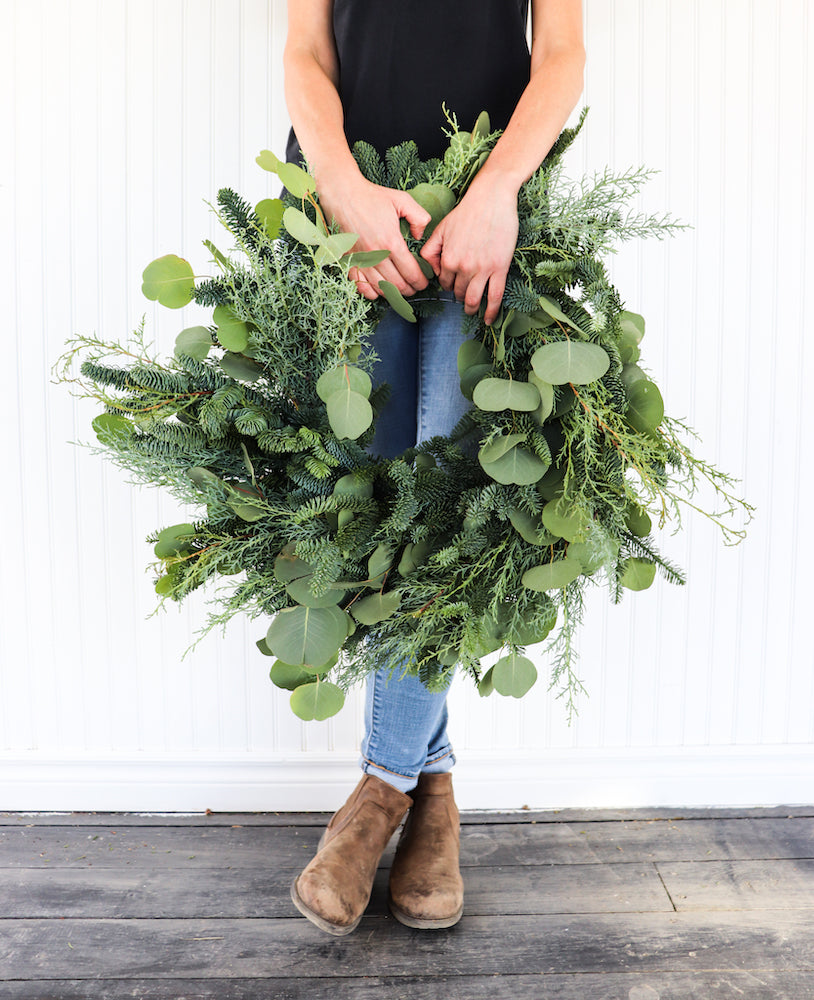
x=405, y=724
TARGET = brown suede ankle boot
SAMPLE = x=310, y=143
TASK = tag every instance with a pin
x=426, y=888
x=334, y=888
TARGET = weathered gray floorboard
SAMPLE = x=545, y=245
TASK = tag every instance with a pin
x=264, y=891
x=216, y=949
x=626, y=986
x=502, y=844
x=739, y=885
x=320, y=819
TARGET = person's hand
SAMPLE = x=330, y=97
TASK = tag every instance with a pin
x=472, y=247
x=374, y=212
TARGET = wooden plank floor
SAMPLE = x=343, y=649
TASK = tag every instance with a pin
x=647, y=905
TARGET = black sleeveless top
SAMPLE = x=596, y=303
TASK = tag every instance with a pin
x=399, y=60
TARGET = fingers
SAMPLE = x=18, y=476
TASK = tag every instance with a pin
x=497, y=286
x=409, y=209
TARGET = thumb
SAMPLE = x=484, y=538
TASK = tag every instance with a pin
x=409, y=209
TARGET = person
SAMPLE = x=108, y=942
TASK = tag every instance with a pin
x=380, y=72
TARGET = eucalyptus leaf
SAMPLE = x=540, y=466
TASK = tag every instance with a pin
x=546, y=390
x=288, y=676
x=494, y=394
x=498, y=447
x=550, y=306
x=354, y=485
x=239, y=367
x=632, y=325
x=471, y=377
x=248, y=511
x=300, y=591
x=307, y=635
x=349, y=413
x=111, y=427
x=470, y=353
x=482, y=127
x=638, y=574
x=288, y=566
x=169, y=280
x=299, y=226
x=380, y=560
x=376, y=607
x=485, y=684
x=396, y=301
x=570, y=361
x=638, y=521
x=521, y=323
x=318, y=701
x=270, y=213
x=261, y=645
x=530, y=527
x=233, y=333
x=565, y=520
x=517, y=466
x=645, y=409
x=173, y=541
x=415, y=554
x=194, y=342
x=513, y=675
x=203, y=478
x=343, y=377
x=368, y=258
x=552, y=575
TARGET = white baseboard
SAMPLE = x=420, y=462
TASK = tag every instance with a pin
x=553, y=779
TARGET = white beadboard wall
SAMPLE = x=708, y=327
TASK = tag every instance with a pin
x=120, y=120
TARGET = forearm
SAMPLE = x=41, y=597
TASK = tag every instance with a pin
x=542, y=111
x=316, y=114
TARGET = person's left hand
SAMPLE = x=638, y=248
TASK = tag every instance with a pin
x=472, y=247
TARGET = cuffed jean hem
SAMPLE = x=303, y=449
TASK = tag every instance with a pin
x=441, y=762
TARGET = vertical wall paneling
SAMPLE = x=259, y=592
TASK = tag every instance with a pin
x=120, y=122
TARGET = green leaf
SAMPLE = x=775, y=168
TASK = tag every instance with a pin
x=493, y=394
x=299, y=226
x=296, y=180
x=566, y=521
x=376, y=607
x=194, y=341
x=169, y=280
x=165, y=585
x=203, y=478
x=513, y=675
x=270, y=212
x=594, y=555
x=471, y=377
x=354, y=485
x=349, y=413
x=218, y=256
x=334, y=247
x=261, y=645
x=485, y=684
x=482, y=128
x=111, y=427
x=521, y=323
x=414, y=555
x=381, y=559
x=632, y=326
x=638, y=574
x=173, y=540
x=530, y=527
x=233, y=333
x=300, y=591
x=307, y=635
x=638, y=521
x=645, y=409
x=425, y=265
x=368, y=258
x=517, y=466
x=498, y=447
x=317, y=701
x=437, y=199
x=570, y=361
x=288, y=676
x=343, y=377
x=248, y=511
x=631, y=373
x=396, y=300
x=288, y=567
x=472, y=352
x=546, y=390
x=553, y=575
x=239, y=367
x=549, y=306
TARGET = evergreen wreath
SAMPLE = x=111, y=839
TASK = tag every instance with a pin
x=479, y=541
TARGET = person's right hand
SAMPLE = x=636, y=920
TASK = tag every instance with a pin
x=373, y=212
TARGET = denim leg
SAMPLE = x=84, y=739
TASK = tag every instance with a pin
x=405, y=724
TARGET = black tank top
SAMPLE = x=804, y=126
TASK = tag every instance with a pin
x=399, y=60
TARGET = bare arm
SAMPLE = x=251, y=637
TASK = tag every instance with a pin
x=473, y=246
x=311, y=90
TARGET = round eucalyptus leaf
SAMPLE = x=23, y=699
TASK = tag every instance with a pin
x=165, y=584
x=396, y=301
x=376, y=607
x=631, y=373
x=570, y=361
x=247, y=511
x=517, y=466
x=318, y=701
x=414, y=555
x=203, y=478
x=513, y=675
x=472, y=352
x=553, y=575
x=482, y=127
x=169, y=280
x=546, y=390
x=343, y=377
x=530, y=527
x=349, y=413
x=485, y=684
x=241, y=368
x=195, y=342
x=471, y=377
x=527, y=634
x=600, y=552
x=638, y=574
x=288, y=676
x=111, y=427
x=354, y=351
x=566, y=521
x=638, y=521
x=645, y=409
x=354, y=485
x=299, y=226
x=323, y=668
x=173, y=540
x=288, y=567
x=632, y=325
x=296, y=180
x=307, y=635
x=261, y=645
x=493, y=394
x=233, y=333
x=300, y=591
x=521, y=323
x=437, y=199
x=380, y=560
x=498, y=447
x=270, y=213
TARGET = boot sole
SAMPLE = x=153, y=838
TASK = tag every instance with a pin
x=423, y=923
x=338, y=930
